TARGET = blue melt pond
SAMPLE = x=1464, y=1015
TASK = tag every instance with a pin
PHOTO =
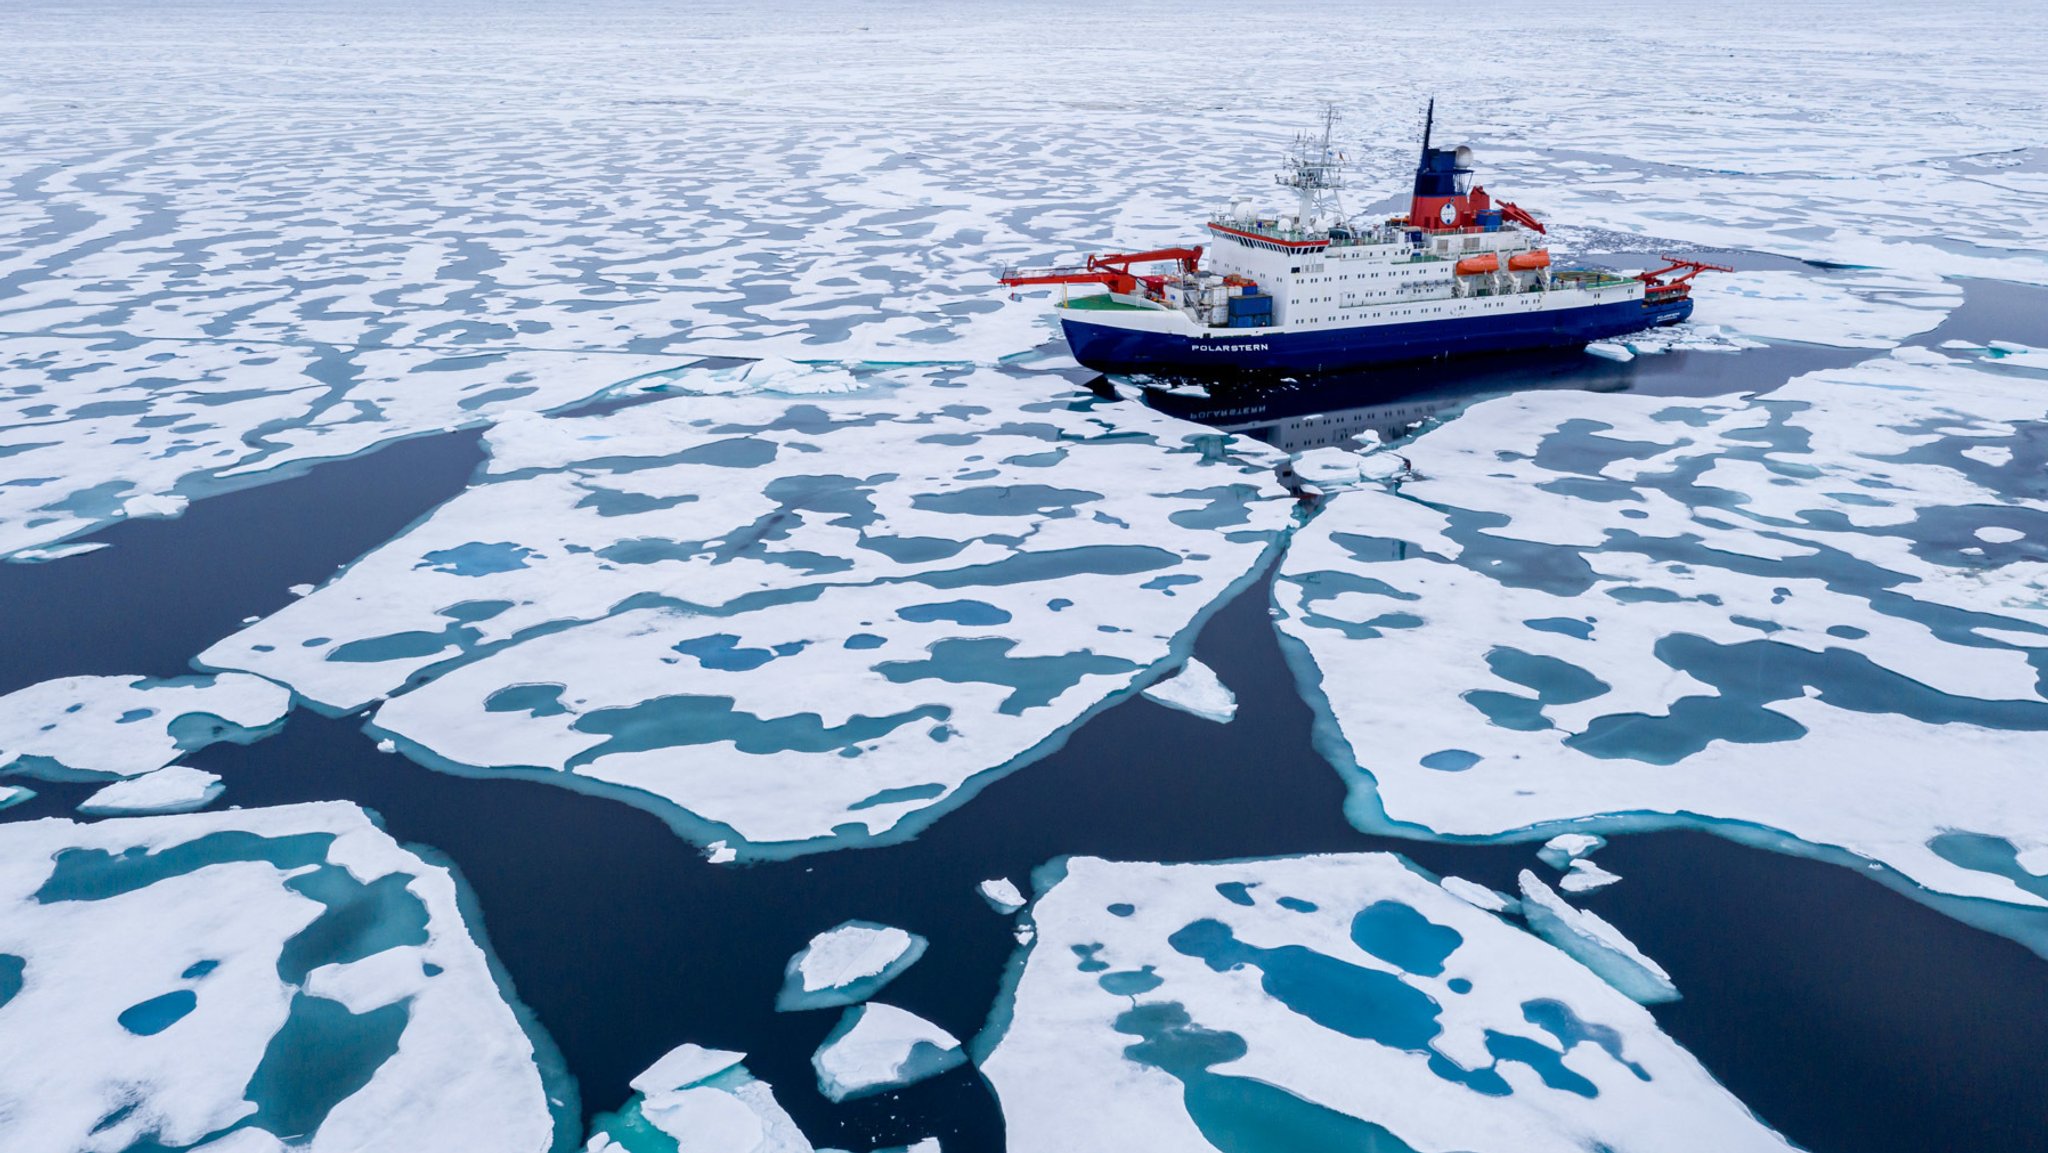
x=961, y=612
x=1450, y=760
x=722, y=651
x=477, y=558
x=158, y=1013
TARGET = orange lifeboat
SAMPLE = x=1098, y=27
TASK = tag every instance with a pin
x=1474, y=265
x=1529, y=261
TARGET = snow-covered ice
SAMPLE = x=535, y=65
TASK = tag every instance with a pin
x=1773, y=615
x=876, y=1047
x=788, y=625
x=1598, y=945
x=1584, y=875
x=1002, y=894
x=175, y=970
x=1198, y=690
x=698, y=1100
x=1347, y=1002
x=172, y=789
x=127, y=726
x=847, y=963
x=1561, y=850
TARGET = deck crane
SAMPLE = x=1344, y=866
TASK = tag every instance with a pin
x=1654, y=284
x=1113, y=269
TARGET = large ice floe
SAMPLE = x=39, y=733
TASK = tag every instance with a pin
x=1817, y=613
x=243, y=980
x=876, y=1047
x=788, y=624
x=1332, y=1002
x=698, y=1100
x=127, y=726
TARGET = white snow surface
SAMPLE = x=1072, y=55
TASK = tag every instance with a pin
x=1198, y=690
x=1811, y=553
x=876, y=1047
x=122, y=726
x=684, y=1066
x=462, y=1074
x=790, y=624
x=172, y=789
x=849, y=953
x=1073, y=1077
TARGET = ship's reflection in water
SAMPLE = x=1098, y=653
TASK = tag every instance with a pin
x=1297, y=415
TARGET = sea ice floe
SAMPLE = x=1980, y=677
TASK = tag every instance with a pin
x=1333, y=1002
x=1598, y=945
x=846, y=964
x=1610, y=350
x=1772, y=616
x=698, y=1100
x=1198, y=690
x=876, y=1047
x=1478, y=895
x=127, y=726
x=1002, y=895
x=1561, y=850
x=1583, y=876
x=172, y=789
x=1332, y=469
x=788, y=625
x=1865, y=308
x=176, y=971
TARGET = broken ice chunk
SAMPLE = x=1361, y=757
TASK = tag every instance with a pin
x=1474, y=893
x=847, y=964
x=1001, y=893
x=173, y=789
x=1585, y=876
x=877, y=1047
x=698, y=1100
x=1610, y=351
x=1196, y=689
x=1595, y=944
x=1561, y=850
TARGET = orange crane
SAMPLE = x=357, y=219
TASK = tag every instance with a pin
x=1113, y=270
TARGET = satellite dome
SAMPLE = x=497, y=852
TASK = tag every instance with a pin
x=1463, y=156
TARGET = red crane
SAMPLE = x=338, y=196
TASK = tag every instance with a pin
x=1656, y=285
x=1113, y=270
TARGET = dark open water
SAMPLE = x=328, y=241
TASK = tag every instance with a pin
x=1848, y=1016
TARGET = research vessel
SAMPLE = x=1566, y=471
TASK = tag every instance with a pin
x=1316, y=292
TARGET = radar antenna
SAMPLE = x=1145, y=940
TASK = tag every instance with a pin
x=1315, y=170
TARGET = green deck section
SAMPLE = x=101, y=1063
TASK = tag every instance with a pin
x=1102, y=301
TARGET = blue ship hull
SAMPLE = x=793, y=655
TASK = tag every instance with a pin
x=1262, y=352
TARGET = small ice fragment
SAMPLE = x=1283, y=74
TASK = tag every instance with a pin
x=387, y=745
x=684, y=1066
x=847, y=964
x=1196, y=689
x=1025, y=934
x=1998, y=534
x=1610, y=351
x=1002, y=894
x=158, y=504
x=1585, y=876
x=720, y=853
x=1594, y=943
x=1474, y=893
x=250, y=620
x=300, y=590
x=176, y=789
x=1560, y=851
x=877, y=1047
x=14, y=794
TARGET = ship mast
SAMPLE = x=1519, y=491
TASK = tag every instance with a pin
x=1315, y=170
